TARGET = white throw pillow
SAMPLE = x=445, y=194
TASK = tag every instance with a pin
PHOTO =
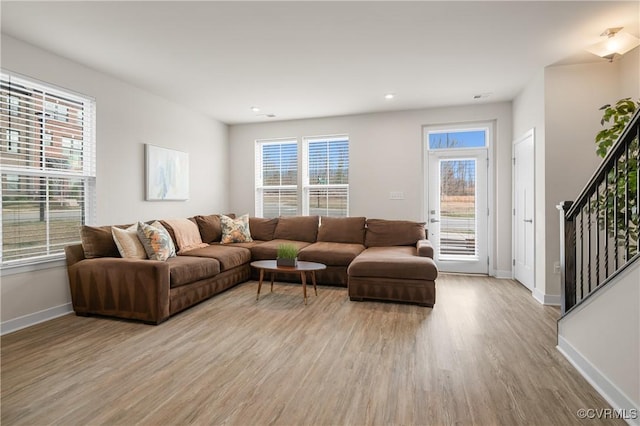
x=128, y=243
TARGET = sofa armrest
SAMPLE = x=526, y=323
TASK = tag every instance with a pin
x=74, y=254
x=425, y=248
x=123, y=288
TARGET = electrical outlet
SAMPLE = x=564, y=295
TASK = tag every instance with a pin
x=556, y=268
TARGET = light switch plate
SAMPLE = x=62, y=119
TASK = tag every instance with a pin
x=396, y=195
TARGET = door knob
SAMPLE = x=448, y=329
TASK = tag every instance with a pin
x=528, y=220
x=434, y=220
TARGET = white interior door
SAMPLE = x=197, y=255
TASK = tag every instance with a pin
x=523, y=211
x=458, y=209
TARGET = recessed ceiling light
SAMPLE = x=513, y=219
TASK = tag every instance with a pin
x=389, y=96
x=255, y=109
x=482, y=95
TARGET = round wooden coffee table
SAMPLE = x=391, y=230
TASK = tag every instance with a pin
x=302, y=268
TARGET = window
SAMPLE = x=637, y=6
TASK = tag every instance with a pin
x=13, y=139
x=276, y=178
x=48, y=185
x=14, y=104
x=326, y=178
x=56, y=110
x=324, y=187
x=457, y=139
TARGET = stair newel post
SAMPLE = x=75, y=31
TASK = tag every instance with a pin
x=567, y=256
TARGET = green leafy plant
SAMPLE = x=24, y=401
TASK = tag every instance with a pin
x=617, y=204
x=621, y=114
x=287, y=251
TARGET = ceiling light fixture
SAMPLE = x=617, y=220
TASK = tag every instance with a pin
x=484, y=95
x=255, y=109
x=616, y=43
x=389, y=96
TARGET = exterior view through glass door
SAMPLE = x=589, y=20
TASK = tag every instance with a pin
x=457, y=208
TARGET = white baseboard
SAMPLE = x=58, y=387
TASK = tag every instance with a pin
x=503, y=275
x=546, y=299
x=609, y=391
x=35, y=318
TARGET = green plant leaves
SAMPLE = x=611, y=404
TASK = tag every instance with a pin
x=621, y=113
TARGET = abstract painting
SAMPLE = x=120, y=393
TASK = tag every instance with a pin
x=167, y=174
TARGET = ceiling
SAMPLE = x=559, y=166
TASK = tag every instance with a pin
x=314, y=59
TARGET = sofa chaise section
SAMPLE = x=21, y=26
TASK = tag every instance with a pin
x=394, y=274
x=397, y=264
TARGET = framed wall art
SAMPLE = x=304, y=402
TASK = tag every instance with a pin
x=167, y=174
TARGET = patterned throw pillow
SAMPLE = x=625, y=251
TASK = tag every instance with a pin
x=235, y=230
x=156, y=241
x=128, y=242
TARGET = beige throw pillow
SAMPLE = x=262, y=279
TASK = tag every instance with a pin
x=128, y=243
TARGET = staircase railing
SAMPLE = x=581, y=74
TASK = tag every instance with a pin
x=599, y=231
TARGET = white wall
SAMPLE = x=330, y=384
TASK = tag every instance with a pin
x=562, y=104
x=127, y=118
x=629, y=70
x=386, y=154
x=602, y=339
x=602, y=336
x=573, y=97
x=528, y=113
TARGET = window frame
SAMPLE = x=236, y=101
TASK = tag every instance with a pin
x=14, y=83
x=307, y=187
x=302, y=187
x=458, y=128
x=260, y=187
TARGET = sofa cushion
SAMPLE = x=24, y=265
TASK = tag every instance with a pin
x=187, y=269
x=385, y=233
x=247, y=245
x=269, y=249
x=262, y=229
x=342, y=229
x=331, y=254
x=156, y=241
x=128, y=242
x=210, y=228
x=97, y=241
x=228, y=256
x=297, y=228
x=393, y=262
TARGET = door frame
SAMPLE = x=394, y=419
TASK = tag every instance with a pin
x=532, y=134
x=490, y=127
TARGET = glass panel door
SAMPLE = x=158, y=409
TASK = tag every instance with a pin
x=458, y=222
x=458, y=232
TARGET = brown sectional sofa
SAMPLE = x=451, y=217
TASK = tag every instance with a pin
x=376, y=259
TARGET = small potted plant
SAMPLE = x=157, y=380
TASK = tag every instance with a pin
x=287, y=255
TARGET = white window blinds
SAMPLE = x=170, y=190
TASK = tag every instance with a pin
x=47, y=168
x=326, y=177
x=276, y=178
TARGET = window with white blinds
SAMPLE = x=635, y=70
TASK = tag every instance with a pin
x=47, y=168
x=276, y=178
x=326, y=176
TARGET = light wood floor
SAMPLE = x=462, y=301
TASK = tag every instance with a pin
x=484, y=355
